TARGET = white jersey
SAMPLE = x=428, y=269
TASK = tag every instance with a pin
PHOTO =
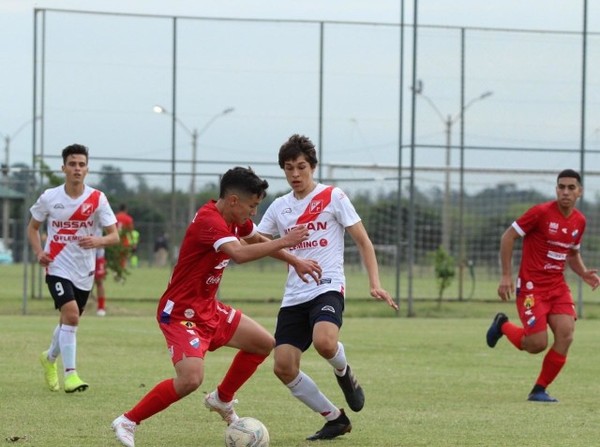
x=326, y=211
x=68, y=220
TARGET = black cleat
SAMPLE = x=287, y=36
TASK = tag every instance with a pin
x=333, y=429
x=353, y=392
x=494, y=333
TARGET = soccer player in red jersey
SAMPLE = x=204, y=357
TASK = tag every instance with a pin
x=191, y=317
x=552, y=233
x=75, y=214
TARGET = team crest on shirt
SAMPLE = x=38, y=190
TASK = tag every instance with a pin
x=189, y=313
x=87, y=209
x=316, y=206
x=574, y=233
x=189, y=324
x=529, y=301
x=553, y=227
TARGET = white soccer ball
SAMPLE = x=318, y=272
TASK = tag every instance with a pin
x=246, y=432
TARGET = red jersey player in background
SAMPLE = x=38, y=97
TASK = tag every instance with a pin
x=311, y=313
x=125, y=226
x=552, y=234
x=75, y=213
x=194, y=321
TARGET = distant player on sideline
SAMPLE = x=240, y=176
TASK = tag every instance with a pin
x=99, y=277
x=194, y=321
x=312, y=312
x=552, y=233
x=74, y=212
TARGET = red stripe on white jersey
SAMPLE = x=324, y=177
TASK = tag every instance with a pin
x=316, y=206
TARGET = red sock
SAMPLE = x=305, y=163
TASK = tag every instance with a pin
x=514, y=333
x=243, y=366
x=101, y=302
x=551, y=366
x=159, y=398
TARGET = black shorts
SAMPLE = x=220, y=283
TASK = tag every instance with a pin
x=295, y=323
x=63, y=291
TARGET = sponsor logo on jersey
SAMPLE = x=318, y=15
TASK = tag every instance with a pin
x=531, y=322
x=171, y=350
x=328, y=308
x=324, y=281
x=553, y=227
x=574, y=233
x=213, y=279
x=72, y=224
x=195, y=343
x=556, y=255
x=221, y=265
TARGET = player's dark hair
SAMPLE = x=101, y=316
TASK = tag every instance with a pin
x=74, y=149
x=295, y=146
x=569, y=173
x=242, y=181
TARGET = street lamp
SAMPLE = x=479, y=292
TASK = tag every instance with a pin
x=448, y=121
x=195, y=134
x=5, y=175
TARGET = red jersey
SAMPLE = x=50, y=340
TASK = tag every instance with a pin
x=124, y=225
x=548, y=236
x=192, y=290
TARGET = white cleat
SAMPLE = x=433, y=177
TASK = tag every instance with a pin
x=225, y=409
x=124, y=430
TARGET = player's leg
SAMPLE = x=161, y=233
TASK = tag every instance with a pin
x=293, y=335
x=48, y=361
x=189, y=369
x=563, y=328
x=255, y=344
x=326, y=318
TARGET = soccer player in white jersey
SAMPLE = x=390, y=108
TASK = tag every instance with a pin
x=311, y=313
x=73, y=212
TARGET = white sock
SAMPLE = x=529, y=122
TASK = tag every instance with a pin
x=68, y=346
x=304, y=389
x=54, y=349
x=338, y=361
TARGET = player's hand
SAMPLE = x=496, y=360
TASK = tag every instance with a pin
x=382, y=295
x=308, y=268
x=506, y=288
x=296, y=235
x=90, y=242
x=44, y=259
x=591, y=278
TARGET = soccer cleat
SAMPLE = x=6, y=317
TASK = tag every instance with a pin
x=124, y=430
x=353, y=392
x=74, y=383
x=541, y=396
x=225, y=409
x=333, y=429
x=101, y=312
x=50, y=372
x=494, y=333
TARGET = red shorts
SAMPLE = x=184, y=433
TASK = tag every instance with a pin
x=535, y=306
x=100, y=272
x=190, y=339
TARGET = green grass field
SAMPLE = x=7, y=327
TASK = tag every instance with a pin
x=429, y=381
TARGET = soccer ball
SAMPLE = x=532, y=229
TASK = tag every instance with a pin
x=246, y=432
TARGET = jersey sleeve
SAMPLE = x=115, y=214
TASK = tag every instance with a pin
x=528, y=221
x=39, y=210
x=105, y=213
x=268, y=223
x=343, y=209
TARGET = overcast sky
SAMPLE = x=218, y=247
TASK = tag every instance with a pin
x=361, y=125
